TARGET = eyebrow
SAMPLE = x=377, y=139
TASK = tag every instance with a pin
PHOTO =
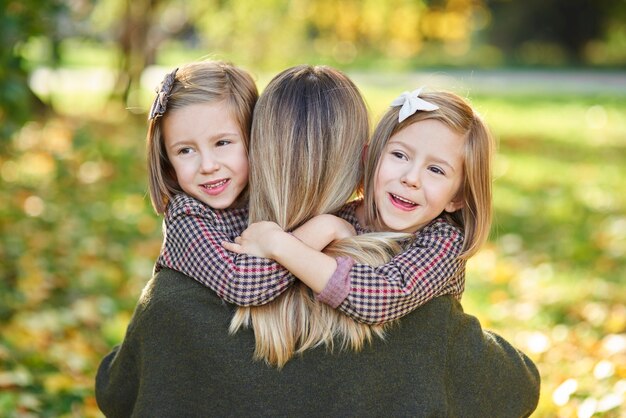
x=212, y=137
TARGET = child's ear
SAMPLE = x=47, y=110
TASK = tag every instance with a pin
x=455, y=204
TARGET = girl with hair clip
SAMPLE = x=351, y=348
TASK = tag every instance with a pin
x=198, y=135
x=178, y=359
x=427, y=174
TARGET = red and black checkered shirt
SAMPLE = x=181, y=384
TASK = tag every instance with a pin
x=427, y=269
x=193, y=236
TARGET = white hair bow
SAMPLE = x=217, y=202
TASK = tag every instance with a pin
x=411, y=103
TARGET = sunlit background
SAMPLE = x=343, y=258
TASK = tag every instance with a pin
x=79, y=238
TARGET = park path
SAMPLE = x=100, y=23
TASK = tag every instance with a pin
x=508, y=81
x=585, y=82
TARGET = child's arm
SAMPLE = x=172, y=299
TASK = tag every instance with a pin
x=267, y=239
x=323, y=229
x=192, y=245
x=428, y=268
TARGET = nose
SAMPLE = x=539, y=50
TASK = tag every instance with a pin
x=411, y=178
x=208, y=164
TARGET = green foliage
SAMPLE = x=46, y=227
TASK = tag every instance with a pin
x=78, y=243
x=19, y=22
x=551, y=278
x=271, y=34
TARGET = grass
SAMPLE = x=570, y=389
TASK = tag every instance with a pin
x=79, y=240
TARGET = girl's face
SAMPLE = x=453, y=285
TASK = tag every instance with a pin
x=419, y=176
x=206, y=149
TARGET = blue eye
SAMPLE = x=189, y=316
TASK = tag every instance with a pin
x=437, y=170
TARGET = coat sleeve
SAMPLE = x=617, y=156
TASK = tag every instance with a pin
x=132, y=378
x=486, y=375
x=117, y=379
x=169, y=349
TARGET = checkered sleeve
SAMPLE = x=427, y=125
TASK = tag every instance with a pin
x=428, y=268
x=192, y=245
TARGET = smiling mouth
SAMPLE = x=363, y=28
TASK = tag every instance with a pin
x=216, y=185
x=401, y=202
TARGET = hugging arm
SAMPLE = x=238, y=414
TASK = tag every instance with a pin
x=299, y=252
x=192, y=245
x=430, y=267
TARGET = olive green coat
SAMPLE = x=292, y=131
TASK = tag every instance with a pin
x=178, y=360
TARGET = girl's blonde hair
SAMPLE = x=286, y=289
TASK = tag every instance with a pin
x=309, y=129
x=474, y=218
x=197, y=82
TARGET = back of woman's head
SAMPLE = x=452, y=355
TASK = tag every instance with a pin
x=194, y=83
x=309, y=128
x=474, y=218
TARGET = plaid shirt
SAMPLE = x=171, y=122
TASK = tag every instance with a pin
x=193, y=245
x=427, y=269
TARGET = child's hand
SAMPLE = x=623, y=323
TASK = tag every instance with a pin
x=321, y=230
x=260, y=239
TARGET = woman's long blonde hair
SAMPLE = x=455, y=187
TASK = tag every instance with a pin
x=308, y=132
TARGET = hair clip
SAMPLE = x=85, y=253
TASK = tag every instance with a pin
x=411, y=103
x=163, y=91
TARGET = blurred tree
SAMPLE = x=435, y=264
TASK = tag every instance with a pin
x=270, y=34
x=551, y=31
x=138, y=28
x=21, y=21
x=276, y=32
x=137, y=47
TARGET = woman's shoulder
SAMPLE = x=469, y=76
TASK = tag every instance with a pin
x=172, y=290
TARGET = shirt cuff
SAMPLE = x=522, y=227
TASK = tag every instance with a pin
x=338, y=286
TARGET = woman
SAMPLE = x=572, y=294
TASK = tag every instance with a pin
x=177, y=358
